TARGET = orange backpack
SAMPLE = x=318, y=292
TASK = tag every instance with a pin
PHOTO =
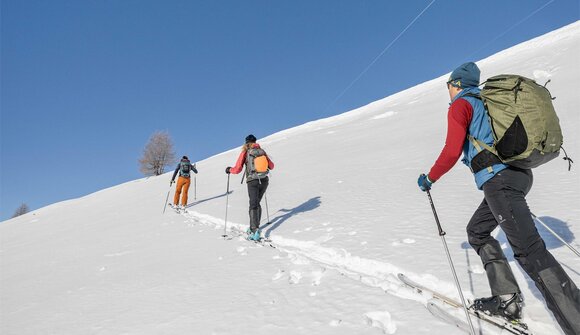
x=257, y=162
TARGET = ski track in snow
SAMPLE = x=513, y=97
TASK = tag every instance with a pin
x=369, y=272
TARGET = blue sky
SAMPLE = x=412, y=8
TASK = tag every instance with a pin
x=85, y=83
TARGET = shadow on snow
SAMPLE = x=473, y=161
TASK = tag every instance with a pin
x=208, y=199
x=308, y=205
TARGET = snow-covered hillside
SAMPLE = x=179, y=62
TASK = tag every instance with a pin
x=346, y=215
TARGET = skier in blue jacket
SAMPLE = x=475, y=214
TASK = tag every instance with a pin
x=504, y=204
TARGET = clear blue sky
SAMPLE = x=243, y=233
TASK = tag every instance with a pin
x=85, y=83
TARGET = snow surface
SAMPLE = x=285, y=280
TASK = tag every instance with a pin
x=346, y=217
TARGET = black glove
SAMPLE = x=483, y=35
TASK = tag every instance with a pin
x=228, y=169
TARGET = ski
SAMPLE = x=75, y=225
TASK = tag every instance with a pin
x=513, y=327
x=175, y=208
x=266, y=241
x=235, y=232
x=444, y=315
x=178, y=209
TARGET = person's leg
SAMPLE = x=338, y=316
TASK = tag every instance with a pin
x=185, y=190
x=499, y=274
x=506, y=197
x=177, y=191
x=254, y=195
x=262, y=187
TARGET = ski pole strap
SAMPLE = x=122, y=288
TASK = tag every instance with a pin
x=570, y=161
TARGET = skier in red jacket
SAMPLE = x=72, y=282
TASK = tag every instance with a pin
x=257, y=164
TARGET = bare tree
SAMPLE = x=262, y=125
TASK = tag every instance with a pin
x=158, y=153
x=22, y=209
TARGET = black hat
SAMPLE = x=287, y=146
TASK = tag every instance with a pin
x=250, y=139
x=185, y=157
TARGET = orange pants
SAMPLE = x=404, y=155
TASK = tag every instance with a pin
x=182, y=185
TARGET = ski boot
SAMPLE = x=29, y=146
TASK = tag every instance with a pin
x=508, y=306
x=254, y=236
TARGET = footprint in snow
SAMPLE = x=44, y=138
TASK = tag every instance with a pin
x=405, y=241
x=241, y=251
x=295, y=277
x=298, y=260
x=335, y=323
x=352, y=233
x=278, y=275
x=317, y=276
x=382, y=320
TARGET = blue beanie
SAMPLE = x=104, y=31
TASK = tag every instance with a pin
x=467, y=75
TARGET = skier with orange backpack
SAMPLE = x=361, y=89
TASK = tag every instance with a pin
x=257, y=164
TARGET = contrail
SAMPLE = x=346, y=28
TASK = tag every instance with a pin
x=509, y=29
x=380, y=55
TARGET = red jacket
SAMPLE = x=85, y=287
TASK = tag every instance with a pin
x=242, y=160
x=458, y=120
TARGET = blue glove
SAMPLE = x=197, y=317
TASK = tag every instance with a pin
x=424, y=182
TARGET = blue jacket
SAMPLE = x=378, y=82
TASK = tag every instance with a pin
x=480, y=128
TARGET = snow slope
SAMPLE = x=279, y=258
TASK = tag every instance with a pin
x=346, y=217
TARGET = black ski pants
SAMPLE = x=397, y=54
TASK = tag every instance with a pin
x=256, y=190
x=505, y=204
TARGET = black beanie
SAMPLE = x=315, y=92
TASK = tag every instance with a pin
x=250, y=139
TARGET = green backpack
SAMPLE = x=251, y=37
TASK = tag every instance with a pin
x=525, y=126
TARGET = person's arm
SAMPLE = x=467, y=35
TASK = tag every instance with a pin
x=175, y=173
x=239, y=164
x=458, y=120
x=270, y=163
x=194, y=168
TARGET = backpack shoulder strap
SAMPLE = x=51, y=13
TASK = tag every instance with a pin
x=477, y=96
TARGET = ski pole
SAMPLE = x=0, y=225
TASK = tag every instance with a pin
x=195, y=186
x=166, y=199
x=556, y=235
x=227, y=201
x=267, y=211
x=442, y=234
